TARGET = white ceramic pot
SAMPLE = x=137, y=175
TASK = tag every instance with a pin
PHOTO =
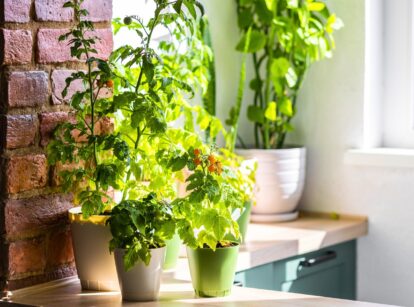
x=280, y=178
x=141, y=283
x=94, y=263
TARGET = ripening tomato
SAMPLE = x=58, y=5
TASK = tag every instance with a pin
x=211, y=159
x=109, y=83
x=212, y=168
x=197, y=152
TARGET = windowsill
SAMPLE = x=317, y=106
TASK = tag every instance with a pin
x=385, y=157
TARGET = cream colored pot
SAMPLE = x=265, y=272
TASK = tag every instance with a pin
x=141, y=283
x=280, y=178
x=94, y=263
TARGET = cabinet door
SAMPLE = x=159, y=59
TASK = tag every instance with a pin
x=327, y=272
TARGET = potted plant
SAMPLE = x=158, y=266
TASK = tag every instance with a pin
x=92, y=157
x=139, y=230
x=284, y=38
x=151, y=94
x=190, y=56
x=205, y=224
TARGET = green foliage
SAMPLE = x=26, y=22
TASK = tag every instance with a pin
x=150, y=92
x=97, y=158
x=140, y=225
x=152, y=86
x=284, y=38
x=204, y=216
x=189, y=57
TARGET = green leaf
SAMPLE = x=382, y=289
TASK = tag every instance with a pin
x=271, y=5
x=286, y=107
x=292, y=3
x=255, y=114
x=246, y=2
x=245, y=18
x=177, y=6
x=190, y=6
x=270, y=112
x=257, y=42
x=279, y=67
x=291, y=77
x=315, y=6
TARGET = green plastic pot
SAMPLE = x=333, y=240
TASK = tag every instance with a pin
x=244, y=220
x=212, y=272
x=172, y=253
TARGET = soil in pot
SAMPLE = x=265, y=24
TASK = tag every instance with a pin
x=212, y=272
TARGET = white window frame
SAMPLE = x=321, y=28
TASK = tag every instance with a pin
x=389, y=86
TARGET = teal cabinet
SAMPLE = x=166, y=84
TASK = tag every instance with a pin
x=327, y=272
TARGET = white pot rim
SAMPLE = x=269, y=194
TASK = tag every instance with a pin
x=261, y=150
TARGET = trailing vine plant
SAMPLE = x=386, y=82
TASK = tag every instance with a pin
x=285, y=38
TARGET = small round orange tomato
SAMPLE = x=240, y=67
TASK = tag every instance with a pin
x=197, y=152
x=212, y=168
x=211, y=159
x=109, y=83
x=197, y=161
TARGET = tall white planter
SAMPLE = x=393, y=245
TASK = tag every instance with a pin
x=94, y=263
x=141, y=283
x=280, y=179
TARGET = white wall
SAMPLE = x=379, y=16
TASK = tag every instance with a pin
x=330, y=121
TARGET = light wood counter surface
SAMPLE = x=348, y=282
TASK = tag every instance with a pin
x=174, y=293
x=269, y=242
x=264, y=243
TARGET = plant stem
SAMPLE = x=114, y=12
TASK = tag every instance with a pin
x=137, y=87
x=240, y=93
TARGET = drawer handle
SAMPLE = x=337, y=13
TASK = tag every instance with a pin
x=329, y=255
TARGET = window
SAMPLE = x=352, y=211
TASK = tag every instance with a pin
x=388, y=86
x=389, y=110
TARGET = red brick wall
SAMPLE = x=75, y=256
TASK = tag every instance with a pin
x=35, y=241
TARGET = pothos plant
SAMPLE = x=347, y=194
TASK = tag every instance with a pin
x=285, y=38
x=95, y=158
x=204, y=216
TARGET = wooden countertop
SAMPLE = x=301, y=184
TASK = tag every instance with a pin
x=174, y=292
x=270, y=242
x=264, y=243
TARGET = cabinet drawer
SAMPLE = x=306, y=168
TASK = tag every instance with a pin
x=327, y=272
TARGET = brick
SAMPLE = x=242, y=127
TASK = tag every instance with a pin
x=59, y=249
x=99, y=10
x=20, y=131
x=26, y=256
x=27, y=89
x=48, y=123
x=56, y=179
x=17, y=11
x=26, y=173
x=52, y=10
x=58, y=84
x=50, y=50
x=25, y=216
x=17, y=46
